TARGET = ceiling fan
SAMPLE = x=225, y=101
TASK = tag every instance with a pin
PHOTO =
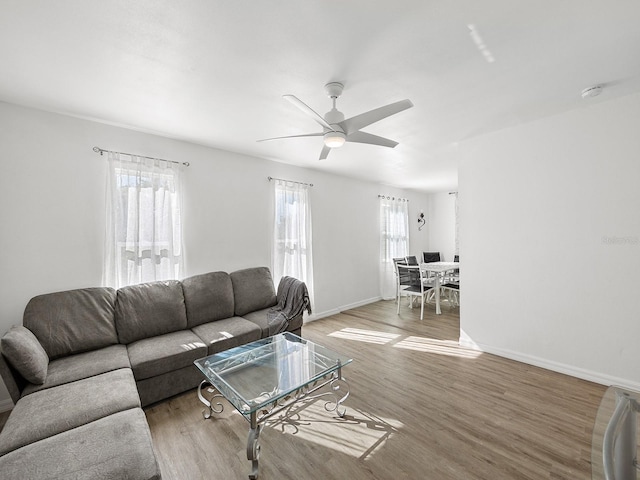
x=336, y=130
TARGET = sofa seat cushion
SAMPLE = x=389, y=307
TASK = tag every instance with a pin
x=157, y=355
x=260, y=319
x=58, y=409
x=23, y=350
x=228, y=333
x=73, y=321
x=252, y=290
x=167, y=385
x=208, y=297
x=82, y=365
x=149, y=309
x=112, y=448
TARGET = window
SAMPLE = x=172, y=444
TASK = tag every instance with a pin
x=394, y=240
x=144, y=225
x=292, y=252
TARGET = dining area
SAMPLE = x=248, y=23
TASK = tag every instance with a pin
x=428, y=279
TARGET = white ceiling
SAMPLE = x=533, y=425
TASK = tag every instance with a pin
x=213, y=72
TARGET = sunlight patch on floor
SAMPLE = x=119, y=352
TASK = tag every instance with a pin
x=368, y=336
x=358, y=434
x=441, y=347
x=420, y=344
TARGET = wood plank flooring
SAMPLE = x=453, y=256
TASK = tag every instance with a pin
x=420, y=407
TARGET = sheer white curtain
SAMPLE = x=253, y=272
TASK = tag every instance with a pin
x=144, y=224
x=292, y=251
x=394, y=240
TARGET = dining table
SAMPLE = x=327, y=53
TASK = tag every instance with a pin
x=439, y=269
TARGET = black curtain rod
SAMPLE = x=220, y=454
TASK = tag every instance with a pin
x=102, y=150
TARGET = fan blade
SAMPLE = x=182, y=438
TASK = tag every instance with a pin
x=362, y=137
x=309, y=111
x=354, y=124
x=324, y=153
x=293, y=136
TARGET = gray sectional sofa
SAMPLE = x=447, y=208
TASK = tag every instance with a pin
x=85, y=362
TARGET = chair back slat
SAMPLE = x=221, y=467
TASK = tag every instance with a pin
x=411, y=260
x=430, y=257
x=412, y=276
x=404, y=275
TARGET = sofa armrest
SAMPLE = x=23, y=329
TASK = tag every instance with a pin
x=12, y=379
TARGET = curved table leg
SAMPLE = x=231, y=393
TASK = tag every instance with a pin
x=253, y=446
x=339, y=393
x=207, y=403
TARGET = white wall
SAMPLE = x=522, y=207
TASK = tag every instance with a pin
x=441, y=225
x=419, y=239
x=52, y=212
x=550, y=239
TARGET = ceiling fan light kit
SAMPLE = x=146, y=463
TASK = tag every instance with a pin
x=336, y=131
x=334, y=139
x=592, y=91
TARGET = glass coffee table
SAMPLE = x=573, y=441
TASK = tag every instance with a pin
x=266, y=377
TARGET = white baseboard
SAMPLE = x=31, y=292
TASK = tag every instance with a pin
x=596, y=377
x=335, y=311
x=6, y=405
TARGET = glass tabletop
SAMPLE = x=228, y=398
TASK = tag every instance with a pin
x=257, y=374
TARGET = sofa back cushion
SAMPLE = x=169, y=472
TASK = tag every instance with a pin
x=252, y=290
x=149, y=309
x=73, y=321
x=208, y=297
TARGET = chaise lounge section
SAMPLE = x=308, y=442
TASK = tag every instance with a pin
x=85, y=362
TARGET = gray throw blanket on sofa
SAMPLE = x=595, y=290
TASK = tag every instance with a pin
x=293, y=300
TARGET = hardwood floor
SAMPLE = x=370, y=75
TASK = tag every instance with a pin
x=420, y=407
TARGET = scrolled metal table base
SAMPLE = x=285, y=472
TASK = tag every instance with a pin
x=339, y=391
